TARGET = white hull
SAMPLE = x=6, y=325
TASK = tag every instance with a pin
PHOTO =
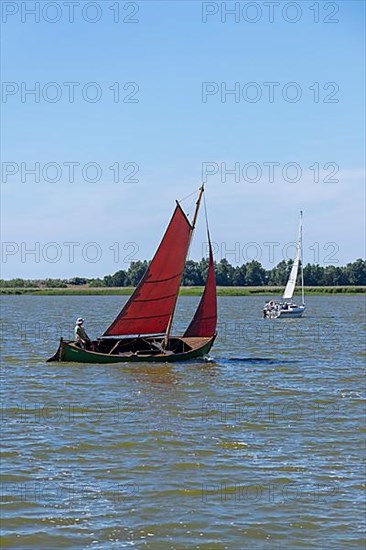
x=286, y=311
x=292, y=312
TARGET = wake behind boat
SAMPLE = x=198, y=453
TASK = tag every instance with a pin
x=142, y=330
x=287, y=308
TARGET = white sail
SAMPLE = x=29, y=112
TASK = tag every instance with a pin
x=291, y=283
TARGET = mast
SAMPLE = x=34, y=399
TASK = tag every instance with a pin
x=302, y=263
x=198, y=204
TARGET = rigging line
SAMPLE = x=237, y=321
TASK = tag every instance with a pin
x=206, y=216
x=190, y=195
x=194, y=193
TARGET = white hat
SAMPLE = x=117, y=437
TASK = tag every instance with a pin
x=79, y=320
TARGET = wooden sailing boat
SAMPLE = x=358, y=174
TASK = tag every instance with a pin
x=141, y=331
x=287, y=308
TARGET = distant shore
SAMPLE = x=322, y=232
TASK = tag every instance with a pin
x=184, y=291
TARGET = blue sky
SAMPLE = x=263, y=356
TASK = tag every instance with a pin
x=168, y=133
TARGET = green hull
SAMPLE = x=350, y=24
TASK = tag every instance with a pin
x=72, y=354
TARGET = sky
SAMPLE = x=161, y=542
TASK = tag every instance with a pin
x=134, y=104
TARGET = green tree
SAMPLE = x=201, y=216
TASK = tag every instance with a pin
x=203, y=268
x=356, y=272
x=55, y=283
x=278, y=275
x=313, y=275
x=256, y=275
x=335, y=276
x=18, y=283
x=77, y=281
x=192, y=275
x=239, y=275
x=108, y=280
x=224, y=273
x=119, y=278
x=136, y=271
x=96, y=283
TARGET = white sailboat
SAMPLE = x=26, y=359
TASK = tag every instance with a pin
x=287, y=308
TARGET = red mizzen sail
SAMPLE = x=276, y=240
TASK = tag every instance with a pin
x=150, y=307
x=205, y=319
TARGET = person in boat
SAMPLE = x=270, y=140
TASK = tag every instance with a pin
x=266, y=309
x=81, y=337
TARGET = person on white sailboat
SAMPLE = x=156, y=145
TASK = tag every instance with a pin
x=270, y=308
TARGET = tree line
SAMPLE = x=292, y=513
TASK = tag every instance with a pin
x=249, y=274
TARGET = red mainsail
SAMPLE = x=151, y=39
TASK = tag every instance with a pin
x=152, y=304
x=205, y=319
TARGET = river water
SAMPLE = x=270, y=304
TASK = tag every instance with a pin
x=259, y=447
